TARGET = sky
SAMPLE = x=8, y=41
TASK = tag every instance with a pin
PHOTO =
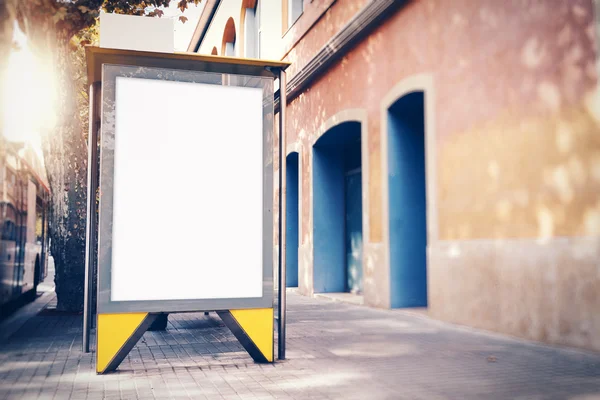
x=184, y=31
x=25, y=75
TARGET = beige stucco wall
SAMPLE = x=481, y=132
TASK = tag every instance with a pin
x=513, y=155
x=271, y=27
x=513, y=188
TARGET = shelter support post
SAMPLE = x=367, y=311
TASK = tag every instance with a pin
x=282, y=223
x=91, y=223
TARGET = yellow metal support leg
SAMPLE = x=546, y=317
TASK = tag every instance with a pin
x=254, y=329
x=116, y=336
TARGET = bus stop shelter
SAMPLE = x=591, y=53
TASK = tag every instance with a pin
x=180, y=154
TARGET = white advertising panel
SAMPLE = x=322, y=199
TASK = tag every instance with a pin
x=187, y=191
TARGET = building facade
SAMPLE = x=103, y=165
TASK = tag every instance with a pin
x=440, y=154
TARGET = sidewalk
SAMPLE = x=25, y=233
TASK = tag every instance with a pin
x=45, y=294
x=336, y=351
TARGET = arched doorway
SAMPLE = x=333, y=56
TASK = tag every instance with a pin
x=407, y=201
x=291, y=219
x=337, y=210
x=228, y=45
x=250, y=29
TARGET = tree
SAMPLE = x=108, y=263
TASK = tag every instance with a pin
x=57, y=30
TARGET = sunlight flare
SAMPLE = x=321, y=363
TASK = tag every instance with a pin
x=29, y=95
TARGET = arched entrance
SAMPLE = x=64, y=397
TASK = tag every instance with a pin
x=407, y=201
x=228, y=44
x=250, y=29
x=291, y=219
x=337, y=210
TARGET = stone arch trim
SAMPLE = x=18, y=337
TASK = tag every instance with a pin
x=295, y=147
x=349, y=115
x=416, y=83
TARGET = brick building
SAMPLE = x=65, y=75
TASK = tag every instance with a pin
x=441, y=154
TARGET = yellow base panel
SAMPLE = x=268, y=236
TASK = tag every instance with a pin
x=114, y=330
x=258, y=325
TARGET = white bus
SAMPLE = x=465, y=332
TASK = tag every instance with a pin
x=24, y=207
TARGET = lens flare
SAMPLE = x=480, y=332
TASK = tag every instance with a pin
x=29, y=95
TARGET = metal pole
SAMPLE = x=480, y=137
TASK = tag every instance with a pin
x=92, y=185
x=282, y=207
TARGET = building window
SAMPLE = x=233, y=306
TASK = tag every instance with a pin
x=228, y=46
x=295, y=10
x=251, y=21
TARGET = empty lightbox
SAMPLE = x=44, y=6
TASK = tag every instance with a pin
x=186, y=186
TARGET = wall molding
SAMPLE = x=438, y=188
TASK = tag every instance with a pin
x=309, y=18
x=355, y=30
x=206, y=17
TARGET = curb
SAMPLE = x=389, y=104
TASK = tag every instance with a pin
x=13, y=323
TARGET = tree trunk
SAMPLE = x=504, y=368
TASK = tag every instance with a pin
x=65, y=156
x=63, y=146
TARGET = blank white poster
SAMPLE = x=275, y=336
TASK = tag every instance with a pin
x=188, y=182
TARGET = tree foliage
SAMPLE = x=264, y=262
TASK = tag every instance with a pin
x=70, y=17
x=57, y=30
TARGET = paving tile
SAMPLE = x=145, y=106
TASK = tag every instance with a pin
x=335, y=351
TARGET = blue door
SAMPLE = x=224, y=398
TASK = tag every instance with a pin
x=354, y=239
x=407, y=199
x=291, y=248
